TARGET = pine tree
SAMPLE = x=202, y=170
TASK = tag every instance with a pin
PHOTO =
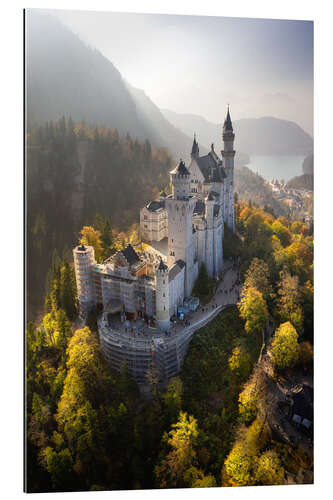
x=68, y=290
x=201, y=287
x=107, y=239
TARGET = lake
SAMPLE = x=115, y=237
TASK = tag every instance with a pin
x=277, y=167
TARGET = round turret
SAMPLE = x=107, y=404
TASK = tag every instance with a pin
x=84, y=259
x=180, y=180
x=162, y=296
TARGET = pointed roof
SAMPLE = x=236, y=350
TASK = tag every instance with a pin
x=180, y=169
x=163, y=194
x=227, y=127
x=130, y=255
x=210, y=166
x=162, y=266
x=195, y=147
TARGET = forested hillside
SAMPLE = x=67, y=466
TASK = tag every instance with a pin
x=251, y=186
x=65, y=77
x=73, y=172
x=87, y=428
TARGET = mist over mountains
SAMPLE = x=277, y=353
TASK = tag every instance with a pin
x=66, y=77
x=256, y=136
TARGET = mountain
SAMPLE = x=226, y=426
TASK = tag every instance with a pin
x=164, y=133
x=254, y=136
x=66, y=77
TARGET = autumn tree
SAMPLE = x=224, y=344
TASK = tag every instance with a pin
x=253, y=310
x=171, y=472
x=284, y=348
x=289, y=307
x=195, y=478
x=92, y=237
x=58, y=464
x=257, y=276
x=251, y=395
x=239, y=464
x=282, y=233
x=58, y=329
x=86, y=379
x=240, y=362
x=268, y=470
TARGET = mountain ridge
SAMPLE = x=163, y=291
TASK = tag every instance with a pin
x=67, y=77
x=277, y=136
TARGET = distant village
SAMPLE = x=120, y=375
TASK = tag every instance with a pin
x=294, y=198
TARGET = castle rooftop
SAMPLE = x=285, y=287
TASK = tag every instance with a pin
x=180, y=169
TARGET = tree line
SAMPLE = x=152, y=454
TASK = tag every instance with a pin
x=75, y=170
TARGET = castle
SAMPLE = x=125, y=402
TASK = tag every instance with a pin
x=180, y=232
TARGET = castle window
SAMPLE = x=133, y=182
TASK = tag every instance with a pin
x=163, y=294
x=163, y=282
x=164, y=308
x=145, y=217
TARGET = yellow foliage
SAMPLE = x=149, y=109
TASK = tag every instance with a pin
x=92, y=237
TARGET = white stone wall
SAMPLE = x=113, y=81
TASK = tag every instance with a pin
x=162, y=299
x=197, y=179
x=209, y=215
x=153, y=225
x=176, y=291
x=218, y=245
x=181, y=242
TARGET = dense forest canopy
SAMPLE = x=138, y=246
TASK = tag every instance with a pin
x=88, y=429
x=75, y=171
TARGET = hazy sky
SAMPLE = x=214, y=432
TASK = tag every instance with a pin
x=197, y=65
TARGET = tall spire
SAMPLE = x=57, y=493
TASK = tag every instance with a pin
x=227, y=127
x=195, y=148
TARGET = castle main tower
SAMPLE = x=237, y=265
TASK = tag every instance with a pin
x=228, y=154
x=180, y=206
